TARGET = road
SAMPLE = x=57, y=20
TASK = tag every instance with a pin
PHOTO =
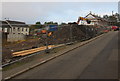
x=95, y=60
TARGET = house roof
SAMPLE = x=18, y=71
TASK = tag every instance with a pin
x=4, y=24
x=13, y=24
x=96, y=17
x=17, y=23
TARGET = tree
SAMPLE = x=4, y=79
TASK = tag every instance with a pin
x=55, y=23
x=38, y=23
x=117, y=16
x=105, y=16
x=113, y=19
x=63, y=23
x=51, y=23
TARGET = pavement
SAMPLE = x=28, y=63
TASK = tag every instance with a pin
x=77, y=63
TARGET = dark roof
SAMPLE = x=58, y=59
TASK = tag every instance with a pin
x=4, y=24
x=13, y=24
x=17, y=23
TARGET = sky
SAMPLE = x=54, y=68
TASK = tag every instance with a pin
x=59, y=0
x=31, y=12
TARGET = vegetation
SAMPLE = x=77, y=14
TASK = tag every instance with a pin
x=38, y=23
x=115, y=18
x=63, y=23
x=51, y=22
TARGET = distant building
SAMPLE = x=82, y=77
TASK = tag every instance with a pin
x=14, y=30
x=95, y=20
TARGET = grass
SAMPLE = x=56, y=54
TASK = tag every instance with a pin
x=17, y=64
x=13, y=66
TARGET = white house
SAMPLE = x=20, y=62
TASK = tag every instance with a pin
x=15, y=30
x=95, y=20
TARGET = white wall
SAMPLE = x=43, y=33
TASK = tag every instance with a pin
x=23, y=30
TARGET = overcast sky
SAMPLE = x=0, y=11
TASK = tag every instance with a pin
x=31, y=12
x=60, y=0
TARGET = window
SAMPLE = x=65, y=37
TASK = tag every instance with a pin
x=26, y=29
x=14, y=28
x=18, y=29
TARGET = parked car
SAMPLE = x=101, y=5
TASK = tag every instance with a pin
x=115, y=28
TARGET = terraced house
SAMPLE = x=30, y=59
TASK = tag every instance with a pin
x=14, y=30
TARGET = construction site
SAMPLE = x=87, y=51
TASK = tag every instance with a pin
x=84, y=29
x=65, y=34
